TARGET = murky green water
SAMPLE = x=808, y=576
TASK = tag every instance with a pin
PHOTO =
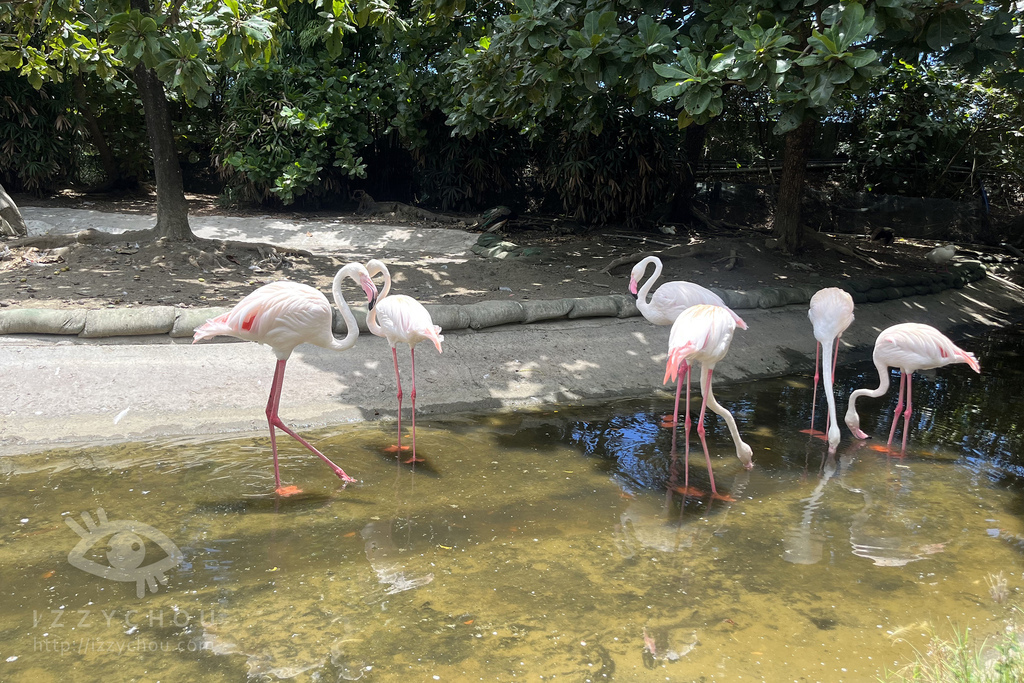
x=536, y=546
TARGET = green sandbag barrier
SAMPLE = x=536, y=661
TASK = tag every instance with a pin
x=180, y=322
x=117, y=322
x=492, y=313
x=42, y=321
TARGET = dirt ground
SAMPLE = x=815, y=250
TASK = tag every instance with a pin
x=572, y=263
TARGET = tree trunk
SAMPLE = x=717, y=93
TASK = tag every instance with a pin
x=11, y=222
x=109, y=163
x=171, y=207
x=791, y=186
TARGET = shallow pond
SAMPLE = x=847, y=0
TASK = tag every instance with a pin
x=532, y=546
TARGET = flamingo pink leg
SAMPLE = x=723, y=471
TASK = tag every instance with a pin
x=398, y=381
x=413, y=396
x=701, y=431
x=686, y=425
x=817, y=376
x=899, y=407
x=275, y=421
x=906, y=415
x=684, y=368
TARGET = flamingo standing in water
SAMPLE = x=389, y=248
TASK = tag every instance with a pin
x=401, y=318
x=703, y=333
x=831, y=312
x=671, y=299
x=909, y=347
x=283, y=315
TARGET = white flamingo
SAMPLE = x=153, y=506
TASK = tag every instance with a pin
x=703, y=333
x=283, y=315
x=831, y=312
x=671, y=299
x=909, y=347
x=401, y=319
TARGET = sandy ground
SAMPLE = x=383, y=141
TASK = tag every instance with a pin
x=433, y=264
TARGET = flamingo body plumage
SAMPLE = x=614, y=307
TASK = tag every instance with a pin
x=672, y=298
x=908, y=347
x=401, y=319
x=941, y=256
x=284, y=315
x=830, y=313
x=703, y=333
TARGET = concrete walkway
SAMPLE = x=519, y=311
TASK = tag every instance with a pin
x=66, y=390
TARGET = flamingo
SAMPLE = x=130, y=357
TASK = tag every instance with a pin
x=909, y=347
x=831, y=312
x=941, y=256
x=283, y=315
x=401, y=318
x=703, y=333
x=671, y=299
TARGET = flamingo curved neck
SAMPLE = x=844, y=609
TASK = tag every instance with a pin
x=641, y=296
x=371, y=319
x=852, y=417
x=833, y=428
x=730, y=421
x=346, y=313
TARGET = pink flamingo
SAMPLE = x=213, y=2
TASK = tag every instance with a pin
x=831, y=312
x=703, y=333
x=283, y=315
x=909, y=347
x=401, y=318
x=671, y=299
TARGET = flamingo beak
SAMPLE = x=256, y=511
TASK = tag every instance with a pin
x=632, y=286
x=371, y=292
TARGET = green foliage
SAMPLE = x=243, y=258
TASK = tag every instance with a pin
x=922, y=124
x=620, y=175
x=961, y=659
x=36, y=135
x=292, y=130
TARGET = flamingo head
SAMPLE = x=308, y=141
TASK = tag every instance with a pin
x=746, y=455
x=853, y=422
x=369, y=289
x=636, y=274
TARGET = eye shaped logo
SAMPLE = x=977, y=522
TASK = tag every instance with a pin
x=125, y=551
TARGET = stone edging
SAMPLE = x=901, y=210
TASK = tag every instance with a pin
x=180, y=322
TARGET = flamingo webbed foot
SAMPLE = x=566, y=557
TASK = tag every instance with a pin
x=285, y=491
x=723, y=497
x=412, y=460
x=812, y=432
x=688, y=491
x=395, y=449
x=344, y=477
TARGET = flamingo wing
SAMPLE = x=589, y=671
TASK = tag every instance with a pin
x=912, y=346
x=830, y=313
x=282, y=314
x=403, y=319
